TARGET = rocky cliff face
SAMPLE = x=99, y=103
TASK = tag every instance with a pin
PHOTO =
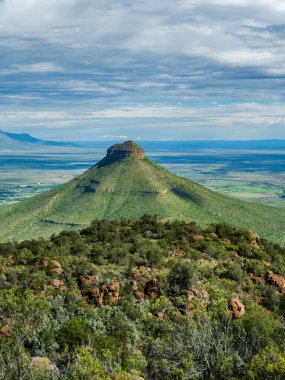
x=126, y=149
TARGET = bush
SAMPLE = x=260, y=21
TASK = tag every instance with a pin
x=180, y=277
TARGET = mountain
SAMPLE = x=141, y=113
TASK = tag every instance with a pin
x=24, y=141
x=126, y=184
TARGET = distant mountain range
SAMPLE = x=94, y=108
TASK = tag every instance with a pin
x=126, y=184
x=24, y=141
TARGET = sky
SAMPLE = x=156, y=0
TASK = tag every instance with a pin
x=143, y=69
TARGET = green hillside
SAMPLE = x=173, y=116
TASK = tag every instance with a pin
x=125, y=184
x=143, y=300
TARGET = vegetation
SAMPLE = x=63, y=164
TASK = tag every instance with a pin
x=128, y=187
x=132, y=299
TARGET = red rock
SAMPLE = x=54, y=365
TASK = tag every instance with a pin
x=198, y=237
x=114, y=287
x=134, y=285
x=105, y=289
x=45, y=263
x=113, y=297
x=97, y=295
x=5, y=331
x=254, y=245
x=254, y=236
x=237, y=308
x=227, y=241
x=58, y=284
x=56, y=263
x=57, y=270
x=276, y=280
x=213, y=235
x=136, y=274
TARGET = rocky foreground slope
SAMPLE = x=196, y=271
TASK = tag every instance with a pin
x=143, y=300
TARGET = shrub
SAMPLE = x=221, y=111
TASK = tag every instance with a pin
x=180, y=277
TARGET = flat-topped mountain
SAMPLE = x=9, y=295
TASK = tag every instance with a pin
x=126, y=184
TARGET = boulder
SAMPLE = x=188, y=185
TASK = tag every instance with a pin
x=43, y=363
x=113, y=292
x=114, y=287
x=236, y=307
x=136, y=274
x=58, y=284
x=254, y=236
x=56, y=263
x=113, y=297
x=5, y=331
x=57, y=270
x=152, y=288
x=134, y=285
x=276, y=280
x=97, y=295
x=197, y=237
x=254, y=245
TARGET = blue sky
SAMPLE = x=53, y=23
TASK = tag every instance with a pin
x=143, y=69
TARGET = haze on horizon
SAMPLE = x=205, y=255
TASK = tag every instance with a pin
x=121, y=69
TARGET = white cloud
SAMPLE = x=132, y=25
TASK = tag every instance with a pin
x=119, y=59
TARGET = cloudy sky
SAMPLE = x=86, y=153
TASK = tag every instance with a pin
x=143, y=69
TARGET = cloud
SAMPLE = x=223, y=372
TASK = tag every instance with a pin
x=79, y=61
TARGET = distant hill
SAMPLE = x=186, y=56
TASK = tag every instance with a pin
x=126, y=184
x=24, y=141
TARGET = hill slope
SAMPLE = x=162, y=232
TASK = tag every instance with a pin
x=141, y=300
x=24, y=141
x=125, y=184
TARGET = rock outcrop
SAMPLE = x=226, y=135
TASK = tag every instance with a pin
x=5, y=331
x=276, y=280
x=127, y=149
x=58, y=284
x=99, y=294
x=237, y=308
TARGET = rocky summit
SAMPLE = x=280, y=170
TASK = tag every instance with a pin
x=126, y=184
x=126, y=149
